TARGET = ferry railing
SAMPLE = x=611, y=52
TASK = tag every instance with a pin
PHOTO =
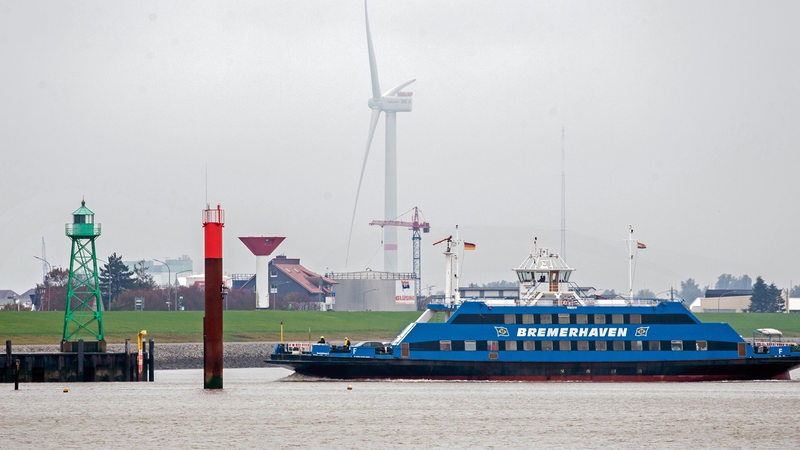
x=370, y=275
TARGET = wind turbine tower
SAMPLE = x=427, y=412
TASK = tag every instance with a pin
x=390, y=102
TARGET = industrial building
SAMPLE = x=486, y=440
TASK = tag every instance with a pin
x=371, y=290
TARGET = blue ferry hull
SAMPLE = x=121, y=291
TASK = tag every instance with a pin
x=396, y=368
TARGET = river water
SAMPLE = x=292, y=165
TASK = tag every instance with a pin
x=262, y=408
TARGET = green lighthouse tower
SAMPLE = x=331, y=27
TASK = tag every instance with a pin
x=83, y=312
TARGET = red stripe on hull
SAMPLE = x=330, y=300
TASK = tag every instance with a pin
x=641, y=371
x=592, y=379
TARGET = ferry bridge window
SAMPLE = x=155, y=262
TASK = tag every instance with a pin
x=654, y=345
x=617, y=318
x=599, y=318
x=702, y=346
x=583, y=345
x=563, y=319
x=565, y=346
x=445, y=346
x=547, y=345
x=545, y=318
x=529, y=345
x=511, y=346
x=619, y=345
x=718, y=345
x=425, y=346
x=581, y=318
x=636, y=345
x=492, y=346
x=510, y=318
x=463, y=319
x=667, y=319
x=600, y=346
x=677, y=346
x=469, y=346
x=636, y=318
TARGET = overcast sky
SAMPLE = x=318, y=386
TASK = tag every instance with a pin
x=680, y=117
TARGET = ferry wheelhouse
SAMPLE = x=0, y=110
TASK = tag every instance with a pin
x=554, y=331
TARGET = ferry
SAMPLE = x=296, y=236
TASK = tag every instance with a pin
x=554, y=331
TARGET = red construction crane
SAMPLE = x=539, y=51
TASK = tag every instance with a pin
x=415, y=226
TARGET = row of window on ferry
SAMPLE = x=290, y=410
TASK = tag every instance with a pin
x=568, y=319
x=493, y=346
x=542, y=277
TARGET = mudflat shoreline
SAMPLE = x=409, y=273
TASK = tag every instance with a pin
x=183, y=356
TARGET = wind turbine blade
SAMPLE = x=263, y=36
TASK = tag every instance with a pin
x=373, y=122
x=398, y=88
x=373, y=66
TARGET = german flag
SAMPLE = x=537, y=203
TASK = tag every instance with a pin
x=469, y=246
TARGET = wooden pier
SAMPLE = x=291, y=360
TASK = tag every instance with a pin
x=76, y=366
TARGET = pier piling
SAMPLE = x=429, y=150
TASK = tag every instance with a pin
x=38, y=367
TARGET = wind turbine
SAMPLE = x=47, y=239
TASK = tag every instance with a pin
x=390, y=103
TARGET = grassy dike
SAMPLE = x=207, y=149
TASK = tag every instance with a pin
x=187, y=326
x=252, y=326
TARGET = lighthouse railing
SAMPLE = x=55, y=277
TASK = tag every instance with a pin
x=83, y=229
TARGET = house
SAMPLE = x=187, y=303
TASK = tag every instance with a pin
x=293, y=286
x=723, y=300
x=7, y=296
x=24, y=301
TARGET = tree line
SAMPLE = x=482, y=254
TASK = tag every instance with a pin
x=764, y=298
x=120, y=286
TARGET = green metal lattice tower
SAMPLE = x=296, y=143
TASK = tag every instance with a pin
x=83, y=312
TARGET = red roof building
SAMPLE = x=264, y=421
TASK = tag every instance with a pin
x=287, y=276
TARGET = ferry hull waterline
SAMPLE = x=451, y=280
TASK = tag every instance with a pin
x=554, y=331
x=381, y=369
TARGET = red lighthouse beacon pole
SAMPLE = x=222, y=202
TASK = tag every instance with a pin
x=215, y=290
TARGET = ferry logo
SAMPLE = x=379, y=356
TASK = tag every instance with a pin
x=642, y=331
x=501, y=331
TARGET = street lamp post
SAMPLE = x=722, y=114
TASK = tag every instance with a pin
x=46, y=281
x=273, y=289
x=177, y=286
x=169, y=282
